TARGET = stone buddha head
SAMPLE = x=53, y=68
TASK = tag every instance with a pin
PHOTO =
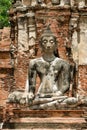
x=48, y=41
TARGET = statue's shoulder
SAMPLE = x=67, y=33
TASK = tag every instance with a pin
x=59, y=60
x=62, y=61
x=35, y=61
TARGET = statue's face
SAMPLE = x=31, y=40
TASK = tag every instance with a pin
x=48, y=43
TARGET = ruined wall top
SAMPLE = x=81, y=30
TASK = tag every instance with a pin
x=49, y=3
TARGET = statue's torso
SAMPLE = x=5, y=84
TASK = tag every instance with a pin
x=48, y=73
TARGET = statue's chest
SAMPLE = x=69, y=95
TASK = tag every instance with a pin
x=48, y=68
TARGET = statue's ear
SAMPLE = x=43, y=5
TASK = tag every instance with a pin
x=56, y=46
x=40, y=43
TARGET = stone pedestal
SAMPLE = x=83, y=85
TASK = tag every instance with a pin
x=46, y=120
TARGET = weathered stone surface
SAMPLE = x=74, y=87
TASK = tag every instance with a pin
x=22, y=41
x=51, y=120
x=22, y=35
x=49, y=123
x=82, y=46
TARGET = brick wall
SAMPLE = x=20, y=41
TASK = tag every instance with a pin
x=82, y=77
x=6, y=67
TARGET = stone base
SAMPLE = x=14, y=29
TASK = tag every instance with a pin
x=47, y=120
x=47, y=123
x=48, y=113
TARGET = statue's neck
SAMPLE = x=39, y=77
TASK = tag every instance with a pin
x=48, y=57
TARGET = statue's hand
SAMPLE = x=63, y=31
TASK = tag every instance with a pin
x=27, y=98
x=31, y=96
x=24, y=98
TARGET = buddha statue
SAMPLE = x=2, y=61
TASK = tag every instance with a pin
x=48, y=67
x=54, y=74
